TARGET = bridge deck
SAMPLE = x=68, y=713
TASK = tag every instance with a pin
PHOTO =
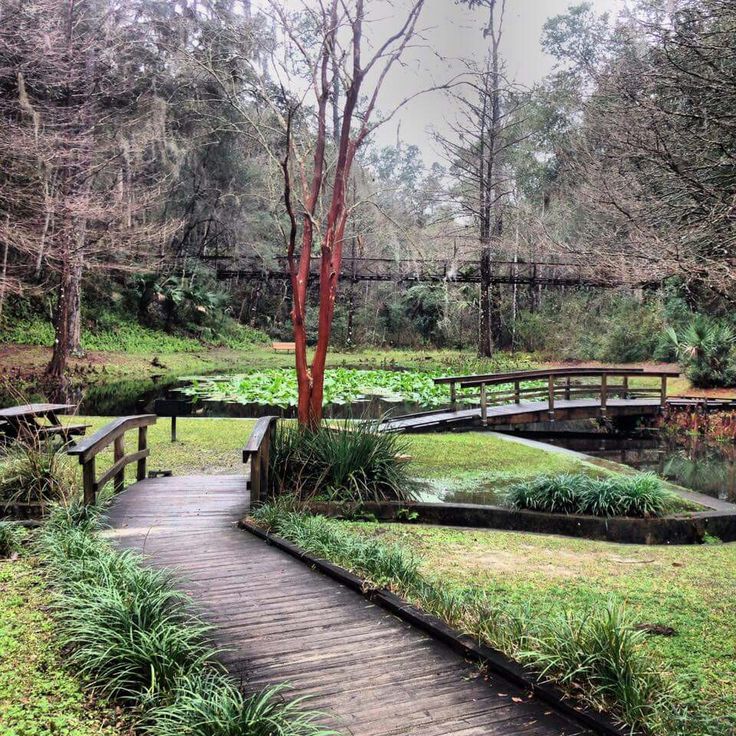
x=280, y=621
x=525, y=412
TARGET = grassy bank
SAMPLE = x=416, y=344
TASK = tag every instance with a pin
x=37, y=695
x=684, y=595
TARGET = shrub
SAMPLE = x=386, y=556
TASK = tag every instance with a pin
x=619, y=495
x=11, y=538
x=349, y=462
x=706, y=349
x=36, y=472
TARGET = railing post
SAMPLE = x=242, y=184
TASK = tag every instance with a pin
x=453, y=395
x=140, y=473
x=88, y=482
x=663, y=391
x=567, y=388
x=625, y=382
x=265, y=462
x=604, y=394
x=517, y=392
x=483, y=404
x=118, y=454
x=551, y=397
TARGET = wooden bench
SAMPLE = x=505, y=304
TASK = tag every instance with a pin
x=283, y=347
x=65, y=430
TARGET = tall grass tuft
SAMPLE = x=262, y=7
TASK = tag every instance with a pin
x=35, y=472
x=12, y=536
x=619, y=495
x=209, y=704
x=352, y=462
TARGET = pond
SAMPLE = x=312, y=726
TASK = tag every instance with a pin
x=349, y=393
x=687, y=460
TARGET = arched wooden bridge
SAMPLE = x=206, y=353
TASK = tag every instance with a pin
x=545, y=395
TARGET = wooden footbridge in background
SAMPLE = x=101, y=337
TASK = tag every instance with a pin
x=276, y=620
x=546, y=395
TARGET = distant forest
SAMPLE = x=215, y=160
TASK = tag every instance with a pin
x=145, y=147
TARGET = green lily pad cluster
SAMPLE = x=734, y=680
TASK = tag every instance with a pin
x=278, y=387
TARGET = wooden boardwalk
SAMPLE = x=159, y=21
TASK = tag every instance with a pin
x=278, y=621
x=525, y=412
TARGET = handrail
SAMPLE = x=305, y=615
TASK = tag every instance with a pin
x=552, y=390
x=112, y=434
x=501, y=378
x=257, y=450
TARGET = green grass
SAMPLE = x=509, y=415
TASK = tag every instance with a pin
x=691, y=589
x=38, y=696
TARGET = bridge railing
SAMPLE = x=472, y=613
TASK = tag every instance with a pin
x=257, y=451
x=112, y=434
x=557, y=384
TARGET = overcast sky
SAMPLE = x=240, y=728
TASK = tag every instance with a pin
x=452, y=32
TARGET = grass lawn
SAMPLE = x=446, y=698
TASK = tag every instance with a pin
x=37, y=696
x=691, y=589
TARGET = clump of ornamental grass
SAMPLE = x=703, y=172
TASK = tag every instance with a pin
x=209, y=704
x=349, y=462
x=596, y=656
x=36, y=472
x=382, y=564
x=133, y=637
x=12, y=536
x=639, y=495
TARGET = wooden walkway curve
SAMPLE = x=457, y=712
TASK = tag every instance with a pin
x=278, y=621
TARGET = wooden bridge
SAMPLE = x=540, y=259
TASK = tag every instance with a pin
x=436, y=270
x=277, y=620
x=546, y=395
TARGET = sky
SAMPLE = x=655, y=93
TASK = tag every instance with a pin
x=452, y=31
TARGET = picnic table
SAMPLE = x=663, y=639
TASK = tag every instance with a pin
x=38, y=420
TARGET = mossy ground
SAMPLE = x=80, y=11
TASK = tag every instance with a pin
x=38, y=697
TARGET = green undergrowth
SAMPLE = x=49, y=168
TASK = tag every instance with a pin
x=681, y=597
x=38, y=695
x=131, y=637
x=595, y=653
x=112, y=335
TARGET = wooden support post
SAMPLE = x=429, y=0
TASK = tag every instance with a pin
x=663, y=392
x=567, y=389
x=88, y=482
x=625, y=387
x=551, y=397
x=140, y=472
x=118, y=454
x=453, y=395
x=173, y=428
x=604, y=394
x=483, y=404
x=517, y=392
